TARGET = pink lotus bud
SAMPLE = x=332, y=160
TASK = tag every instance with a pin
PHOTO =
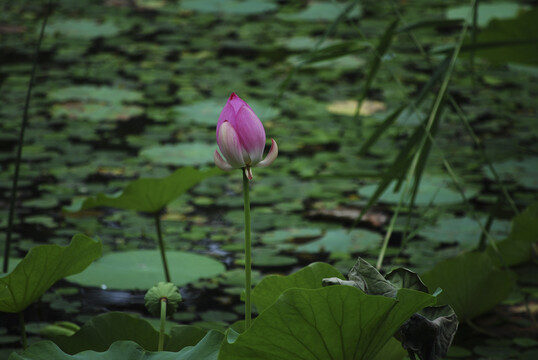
x=241, y=138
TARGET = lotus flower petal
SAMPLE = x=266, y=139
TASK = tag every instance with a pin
x=230, y=145
x=271, y=155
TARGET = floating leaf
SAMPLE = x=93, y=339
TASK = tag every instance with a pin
x=318, y=11
x=42, y=267
x=147, y=195
x=207, y=112
x=95, y=103
x=184, y=154
x=235, y=7
x=524, y=172
x=141, y=269
x=432, y=189
x=343, y=241
x=348, y=107
x=486, y=12
x=337, y=322
x=464, y=231
x=96, y=112
x=309, y=277
x=471, y=283
x=91, y=93
x=81, y=28
x=103, y=330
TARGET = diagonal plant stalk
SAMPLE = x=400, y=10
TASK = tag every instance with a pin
x=20, y=143
x=248, y=257
x=474, y=31
x=161, y=246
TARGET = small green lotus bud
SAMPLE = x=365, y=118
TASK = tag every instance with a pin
x=162, y=290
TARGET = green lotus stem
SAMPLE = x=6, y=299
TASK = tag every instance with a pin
x=163, y=322
x=161, y=246
x=248, y=259
x=20, y=145
x=23, y=330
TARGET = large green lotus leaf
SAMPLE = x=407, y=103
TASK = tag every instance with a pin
x=309, y=277
x=486, y=12
x=343, y=241
x=141, y=269
x=185, y=154
x=524, y=172
x=471, y=283
x=207, y=112
x=464, y=231
x=102, y=330
x=517, y=247
x=319, y=11
x=392, y=350
x=81, y=28
x=208, y=348
x=147, y=195
x=336, y=322
x=432, y=189
x=235, y=7
x=47, y=350
x=42, y=267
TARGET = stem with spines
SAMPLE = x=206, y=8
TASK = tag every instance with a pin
x=163, y=323
x=161, y=246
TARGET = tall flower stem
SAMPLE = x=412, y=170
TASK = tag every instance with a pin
x=161, y=246
x=163, y=322
x=248, y=258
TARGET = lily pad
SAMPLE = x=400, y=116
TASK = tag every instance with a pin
x=81, y=28
x=95, y=103
x=235, y=7
x=96, y=112
x=207, y=112
x=147, y=195
x=433, y=189
x=184, y=154
x=524, y=171
x=87, y=93
x=343, y=241
x=42, y=267
x=318, y=11
x=464, y=231
x=486, y=12
x=141, y=269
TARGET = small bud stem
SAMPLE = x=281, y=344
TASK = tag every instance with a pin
x=163, y=322
x=248, y=259
x=23, y=330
